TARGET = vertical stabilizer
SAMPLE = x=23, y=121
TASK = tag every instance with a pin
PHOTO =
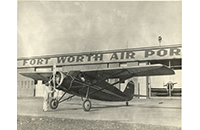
x=129, y=90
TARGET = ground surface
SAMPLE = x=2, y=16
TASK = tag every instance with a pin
x=143, y=114
x=47, y=123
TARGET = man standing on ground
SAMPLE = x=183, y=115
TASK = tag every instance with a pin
x=47, y=92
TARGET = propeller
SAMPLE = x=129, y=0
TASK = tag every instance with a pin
x=54, y=75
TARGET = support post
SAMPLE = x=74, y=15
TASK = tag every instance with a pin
x=138, y=90
x=170, y=90
x=147, y=86
x=149, y=90
x=34, y=88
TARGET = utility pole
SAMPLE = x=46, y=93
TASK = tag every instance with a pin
x=159, y=40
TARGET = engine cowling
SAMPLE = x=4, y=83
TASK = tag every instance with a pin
x=62, y=81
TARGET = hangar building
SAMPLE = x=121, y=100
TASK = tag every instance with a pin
x=148, y=86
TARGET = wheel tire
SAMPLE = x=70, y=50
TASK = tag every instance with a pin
x=54, y=103
x=127, y=103
x=87, y=105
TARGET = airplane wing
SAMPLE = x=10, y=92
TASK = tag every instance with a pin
x=109, y=73
x=45, y=76
x=128, y=72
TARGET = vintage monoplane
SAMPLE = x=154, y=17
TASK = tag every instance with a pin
x=94, y=83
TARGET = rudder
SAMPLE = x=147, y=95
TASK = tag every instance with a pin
x=129, y=90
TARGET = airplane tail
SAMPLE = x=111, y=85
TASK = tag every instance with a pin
x=129, y=90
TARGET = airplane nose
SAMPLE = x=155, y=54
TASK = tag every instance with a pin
x=62, y=81
x=58, y=79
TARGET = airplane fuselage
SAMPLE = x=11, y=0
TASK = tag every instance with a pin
x=100, y=90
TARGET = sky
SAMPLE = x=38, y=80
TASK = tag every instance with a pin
x=48, y=28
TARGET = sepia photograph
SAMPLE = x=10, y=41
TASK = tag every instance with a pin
x=99, y=65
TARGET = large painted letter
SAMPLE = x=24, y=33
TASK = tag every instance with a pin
x=98, y=56
x=59, y=59
x=149, y=53
x=47, y=59
x=162, y=52
x=175, y=51
x=32, y=62
x=114, y=55
x=80, y=58
x=39, y=61
x=25, y=61
x=89, y=56
x=71, y=59
x=130, y=54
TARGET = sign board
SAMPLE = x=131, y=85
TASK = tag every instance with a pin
x=102, y=57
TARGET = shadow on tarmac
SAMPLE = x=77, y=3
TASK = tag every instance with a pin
x=98, y=108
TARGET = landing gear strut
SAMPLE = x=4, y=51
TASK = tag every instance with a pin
x=87, y=103
x=54, y=102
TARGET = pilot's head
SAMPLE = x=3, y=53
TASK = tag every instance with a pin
x=81, y=77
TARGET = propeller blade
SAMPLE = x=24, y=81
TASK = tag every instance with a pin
x=54, y=75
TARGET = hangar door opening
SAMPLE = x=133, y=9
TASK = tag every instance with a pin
x=170, y=85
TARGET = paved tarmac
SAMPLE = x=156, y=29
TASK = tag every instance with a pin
x=164, y=112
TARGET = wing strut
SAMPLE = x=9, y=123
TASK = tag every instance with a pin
x=110, y=84
x=102, y=80
x=66, y=98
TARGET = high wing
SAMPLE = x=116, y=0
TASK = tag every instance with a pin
x=45, y=76
x=122, y=73
x=128, y=72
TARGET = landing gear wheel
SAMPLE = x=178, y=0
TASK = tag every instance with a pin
x=127, y=103
x=87, y=105
x=54, y=103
